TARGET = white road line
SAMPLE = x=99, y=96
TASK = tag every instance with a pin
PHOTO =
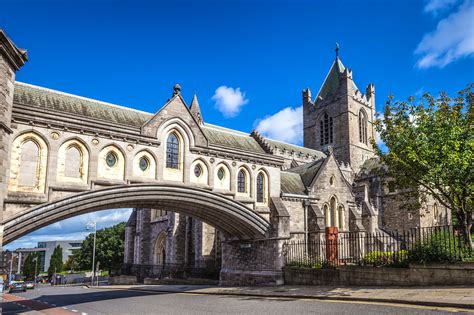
x=75, y=311
x=53, y=304
x=65, y=307
x=83, y=313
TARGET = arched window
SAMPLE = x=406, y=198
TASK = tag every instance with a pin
x=327, y=216
x=340, y=213
x=29, y=163
x=261, y=187
x=172, y=151
x=73, y=162
x=334, y=217
x=362, y=127
x=242, y=182
x=436, y=213
x=326, y=129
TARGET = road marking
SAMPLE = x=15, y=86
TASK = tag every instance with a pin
x=75, y=311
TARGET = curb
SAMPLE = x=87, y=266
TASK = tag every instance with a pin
x=312, y=297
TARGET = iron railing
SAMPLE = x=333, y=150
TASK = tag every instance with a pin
x=431, y=244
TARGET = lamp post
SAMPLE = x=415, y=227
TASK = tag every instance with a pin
x=94, y=225
x=36, y=266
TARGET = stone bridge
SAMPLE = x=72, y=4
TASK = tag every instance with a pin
x=63, y=155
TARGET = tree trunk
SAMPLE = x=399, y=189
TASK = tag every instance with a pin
x=466, y=231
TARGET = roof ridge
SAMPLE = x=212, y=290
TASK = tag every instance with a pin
x=242, y=133
x=81, y=97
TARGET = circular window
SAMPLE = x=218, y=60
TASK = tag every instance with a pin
x=197, y=170
x=221, y=173
x=144, y=163
x=111, y=159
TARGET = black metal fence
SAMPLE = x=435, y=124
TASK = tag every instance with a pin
x=433, y=244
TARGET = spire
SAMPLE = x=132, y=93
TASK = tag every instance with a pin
x=331, y=83
x=196, y=110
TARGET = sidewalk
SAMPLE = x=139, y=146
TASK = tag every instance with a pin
x=456, y=297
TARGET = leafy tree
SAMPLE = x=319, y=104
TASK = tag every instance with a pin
x=70, y=263
x=109, y=248
x=30, y=265
x=56, y=262
x=430, y=146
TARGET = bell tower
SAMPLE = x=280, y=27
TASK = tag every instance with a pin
x=12, y=59
x=340, y=116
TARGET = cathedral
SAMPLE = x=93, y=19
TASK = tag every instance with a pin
x=334, y=180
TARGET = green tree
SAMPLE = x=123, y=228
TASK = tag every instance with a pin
x=30, y=265
x=109, y=248
x=70, y=263
x=430, y=149
x=56, y=262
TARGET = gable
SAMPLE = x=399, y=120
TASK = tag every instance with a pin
x=321, y=181
x=177, y=110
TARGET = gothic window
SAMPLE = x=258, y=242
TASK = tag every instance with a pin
x=341, y=217
x=261, y=187
x=326, y=130
x=436, y=212
x=29, y=162
x=362, y=127
x=73, y=162
x=327, y=216
x=333, y=209
x=241, y=182
x=172, y=151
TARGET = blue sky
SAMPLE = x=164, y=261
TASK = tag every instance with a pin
x=247, y=60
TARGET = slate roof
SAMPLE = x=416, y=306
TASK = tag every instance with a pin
x=307, y=171
x=231, y=138
x=291, y=147
x=291, y=183
x=48, y=99
x=330, y=85
x=67, y=103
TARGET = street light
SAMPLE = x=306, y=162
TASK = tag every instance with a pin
x=93, y=224
x=36, y=266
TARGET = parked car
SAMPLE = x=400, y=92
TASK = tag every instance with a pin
x=30, y=284
x=17, y=286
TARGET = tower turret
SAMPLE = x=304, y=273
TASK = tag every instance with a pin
x=340, y=116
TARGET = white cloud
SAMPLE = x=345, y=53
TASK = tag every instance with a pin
x=229, y=101
x=286, y=125
x=436, y=6
x=452, y=39
x=72, y=228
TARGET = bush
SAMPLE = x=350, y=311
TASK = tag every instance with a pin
x=439, y=247
x=389, y=258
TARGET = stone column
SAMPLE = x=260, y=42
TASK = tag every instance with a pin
x=11, y=60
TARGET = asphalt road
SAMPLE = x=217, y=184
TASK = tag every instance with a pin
x=78, y=300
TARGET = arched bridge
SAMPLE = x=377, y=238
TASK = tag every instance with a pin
x=231, y=217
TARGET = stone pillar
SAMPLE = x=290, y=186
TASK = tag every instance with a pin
x=256, y=262
x=11, y=60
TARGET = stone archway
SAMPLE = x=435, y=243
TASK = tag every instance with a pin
x=159, y=251
x=232, y=218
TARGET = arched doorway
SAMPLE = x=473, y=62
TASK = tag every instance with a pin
x=159, y=252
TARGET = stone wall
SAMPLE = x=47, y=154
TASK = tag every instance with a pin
x=251, y=263
x=415, y=275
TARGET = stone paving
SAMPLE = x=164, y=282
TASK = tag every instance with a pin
x=458, y=297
